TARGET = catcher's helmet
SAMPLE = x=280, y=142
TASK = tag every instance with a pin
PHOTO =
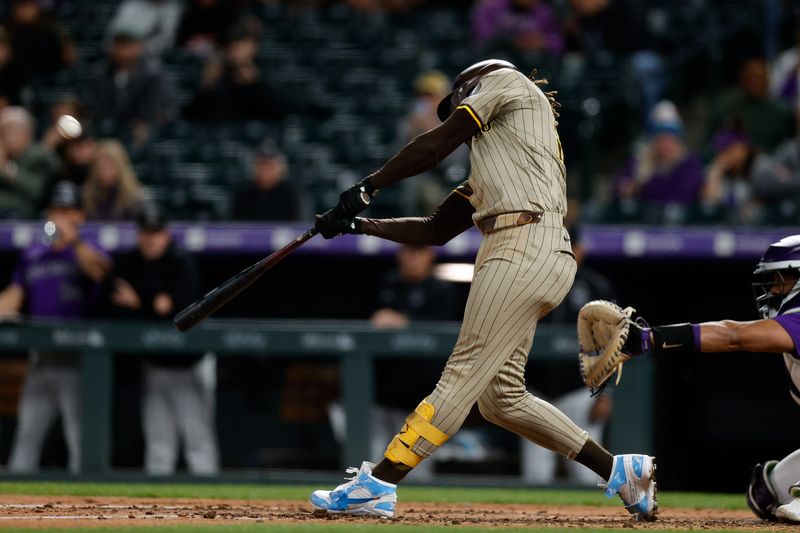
x=465, y=82
x=780, y=258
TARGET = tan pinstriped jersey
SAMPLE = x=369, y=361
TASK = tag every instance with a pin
x=517, y=161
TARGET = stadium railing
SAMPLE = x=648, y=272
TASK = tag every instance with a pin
x=354, y=343
x=602, y=241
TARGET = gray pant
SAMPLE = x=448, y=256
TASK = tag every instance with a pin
x=178, y=405
x=49, y=390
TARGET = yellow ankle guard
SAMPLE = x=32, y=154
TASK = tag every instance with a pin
x=418, y=424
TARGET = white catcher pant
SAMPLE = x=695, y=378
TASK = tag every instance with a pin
x=785, y=474
x=178, y=404
x=48, y=391
x=538, y=464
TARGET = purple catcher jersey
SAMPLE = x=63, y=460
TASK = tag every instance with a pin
x=790, y=320
x=54, y=285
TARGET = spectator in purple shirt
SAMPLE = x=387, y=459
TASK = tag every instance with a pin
x=528, y=25
x=56, y=278
x=663, y=171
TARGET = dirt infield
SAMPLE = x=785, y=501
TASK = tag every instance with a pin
x=62, y=511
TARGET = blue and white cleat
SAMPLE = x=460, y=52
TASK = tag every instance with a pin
x=363, y=495
x=633, y=478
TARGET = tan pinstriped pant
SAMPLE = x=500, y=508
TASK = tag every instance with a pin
x=521, y=274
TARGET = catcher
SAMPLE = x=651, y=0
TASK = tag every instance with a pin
x=774, y=491
x=516, y=196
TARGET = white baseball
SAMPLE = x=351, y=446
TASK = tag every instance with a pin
x=68, y=127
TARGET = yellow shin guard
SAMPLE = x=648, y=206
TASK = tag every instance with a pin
x=418, y=424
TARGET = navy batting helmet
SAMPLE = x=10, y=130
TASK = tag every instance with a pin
x=780, y=263
x=466, y=82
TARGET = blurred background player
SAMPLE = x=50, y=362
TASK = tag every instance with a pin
x=153, y=282
x=57, y=278
x=774, y=491
x=412, y=292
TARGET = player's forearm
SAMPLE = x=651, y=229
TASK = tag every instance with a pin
x=451, y=218
x=91, y=262
x=721, y=336
x=715, y=337
x=426, y=150
x=11, y=299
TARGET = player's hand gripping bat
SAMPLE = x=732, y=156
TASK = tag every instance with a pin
x=221, y=295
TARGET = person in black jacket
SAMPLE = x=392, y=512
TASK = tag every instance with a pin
x=412, y=293
x=268, y=196
x=153, y=282
x=128, y=93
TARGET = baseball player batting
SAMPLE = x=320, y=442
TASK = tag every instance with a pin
x=774, y=491
x=516, y=196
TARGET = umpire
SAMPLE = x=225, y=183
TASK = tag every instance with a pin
x=151, y=283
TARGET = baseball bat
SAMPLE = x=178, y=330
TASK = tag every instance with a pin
x=218, y=297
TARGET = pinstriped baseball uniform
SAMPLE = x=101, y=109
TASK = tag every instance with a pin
x=521, y=272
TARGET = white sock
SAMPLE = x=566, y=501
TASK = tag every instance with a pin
x=785, y=474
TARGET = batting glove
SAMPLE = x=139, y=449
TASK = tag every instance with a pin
x=329, y=224
x=355, y=199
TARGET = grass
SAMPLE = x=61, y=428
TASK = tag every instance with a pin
x=407, y=494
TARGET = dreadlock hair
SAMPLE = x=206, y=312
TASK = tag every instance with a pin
x=551, y=95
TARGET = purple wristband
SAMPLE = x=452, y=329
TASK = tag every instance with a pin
x=647, y=343
x=696, y=332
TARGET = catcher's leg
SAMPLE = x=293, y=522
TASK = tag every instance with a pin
x=522, y=279
x=785, y=475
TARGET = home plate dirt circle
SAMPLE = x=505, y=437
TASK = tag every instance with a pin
x=71, y=511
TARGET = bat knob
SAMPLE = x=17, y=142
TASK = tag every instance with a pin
x=366, y=198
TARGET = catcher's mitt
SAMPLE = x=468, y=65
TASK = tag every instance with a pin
x=603, y=328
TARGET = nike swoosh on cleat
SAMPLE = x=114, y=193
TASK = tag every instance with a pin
x=665, y=346
x=358, y=501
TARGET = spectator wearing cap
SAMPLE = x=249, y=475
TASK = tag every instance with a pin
x=12, y=77
x=41, y=47
x=127, y=94
x=268, y=196
x=525, y=25
x=234, y=88
x=112, y=191
x=205, y=24
x=750, y=108
x=727, y=193
x=155, y=20
x=425, y=193
x=25, y=167
x=153, y=282
x=663, y=171
x=58, y=278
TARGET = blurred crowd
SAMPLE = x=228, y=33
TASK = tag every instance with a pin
x=727, y=159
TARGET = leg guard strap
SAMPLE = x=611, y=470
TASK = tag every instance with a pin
x=397, y=452
x=426, y=430
x=418, y=425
